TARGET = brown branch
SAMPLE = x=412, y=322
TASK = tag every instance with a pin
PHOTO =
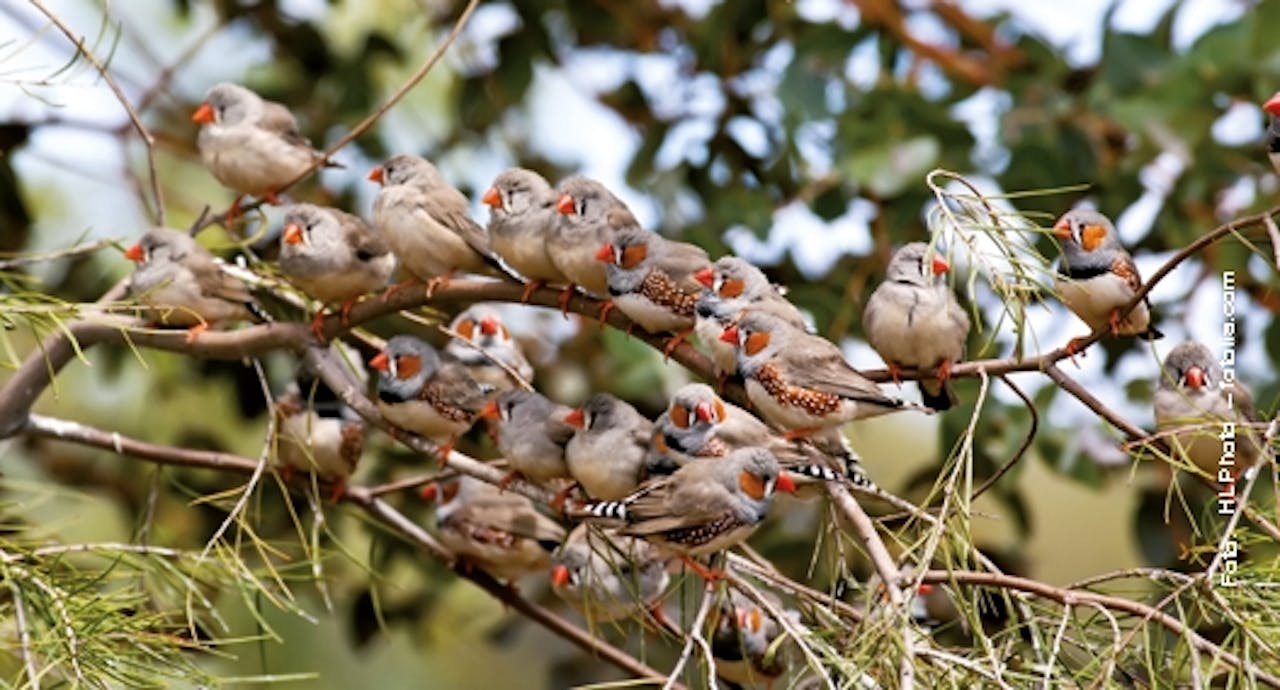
x=148, y=140
x=1072, y=597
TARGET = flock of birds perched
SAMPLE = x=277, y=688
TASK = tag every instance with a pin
x=701, y=477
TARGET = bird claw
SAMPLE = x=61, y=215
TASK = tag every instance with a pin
x=317, y=326
x=195, y=331
x=337, y=491
x=1114, y=320
x=565, y=295
x=1074, y=347
x=674, y=342
x=944, y=371
x=445, y=450
x=529, y=289
x=507, y=479
x=393, y=289
x=895, y=373
x=706, y=573
x=436, y=282
x=233, y=211
x=604, y=313
x=345, y=314
x=558, y=501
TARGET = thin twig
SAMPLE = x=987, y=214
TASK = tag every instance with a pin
x=693, y=635
x=24, y=635
x=147, y=139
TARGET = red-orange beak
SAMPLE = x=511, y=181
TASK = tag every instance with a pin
x=203, y=114
x=575, y=418
x=1062, y=229
x=605, y=253
x=1272, y=106
x=490, y=410
x=940, y=266
x=488, y=325
x=134, y=253
x=730, y=335
x=785, y=483
x=706, y=276
x=492, y=198
x=925, y=589
x=429, y=492
x=375, y=175
x=560, y=575
x=1195, y=377
x=293, y=233
x=565, y=205
x=704, y=412
x=380, y=362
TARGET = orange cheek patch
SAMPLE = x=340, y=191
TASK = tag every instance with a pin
x=408, y=366
x=1092, y=237
x=720, y=411
x=450, y=491
x=465, y=328
x=751, y=485
x=756, y=342
x=680, y=416
x=731, y=288
x=633, y=255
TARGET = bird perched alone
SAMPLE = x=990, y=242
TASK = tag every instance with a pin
x=1194, y=403
x=521, y=218
x=500, y=533
x=1097, y=277
x=531, y=435
x=913, y=319
x=584, y=206
x=1272, y=108
x=800, y=382
x=734, y=285
x=427, y=223
x=332, y=256
x=705, y=506
x=651, y=279
x=606, y=454
x=181, y=284
x=608, y=577
x=316, y=434
x=421, y=393
x=481, y=328
x=250, y=144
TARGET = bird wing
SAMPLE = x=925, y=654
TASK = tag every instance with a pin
x=453, y=387
x=449, y=208
x=213, y=281
x=1124, y=267
x=820, y=366
x=279, y=121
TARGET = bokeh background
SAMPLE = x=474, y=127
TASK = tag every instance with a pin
x=796, y=134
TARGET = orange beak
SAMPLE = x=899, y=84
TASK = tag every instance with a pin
x=560, y=575
x=488, y=326
x=380, y=362
x=375, y=175
x=706, y=276
x=575, y=418
x=429, y=492
x=704, y=412
x=490, y=410
x=605, y=253
x=730, y=335
x=134, y=253
x=293, y=233
x=1195, y=377
x=1272, y=106
x=565, y=205
x=1062, y=229
x=785, y=483
x=940, y=266
x=492, y=198
x=203, y=114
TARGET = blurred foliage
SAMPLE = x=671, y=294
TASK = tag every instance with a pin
x=761, y=108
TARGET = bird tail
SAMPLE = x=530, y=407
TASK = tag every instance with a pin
x=608, y=510
x=937, y=396
x=1152, y=333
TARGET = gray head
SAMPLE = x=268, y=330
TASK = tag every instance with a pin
x=757, y=337
x=404, y=366
x=312, y=231
x=628, y=256
x=753, y=476
x=162, y=244
x=584, y=200
x=405, y=169
x=517, y=191
x=1190, y=367
x=602, y=412
x=915, y=264
x=480, y=325
x=1087, y=237
x=732, y=283
x=520, y=408
x=696, y=406
x=232, y=104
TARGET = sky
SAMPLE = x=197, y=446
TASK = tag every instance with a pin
x=570, y=127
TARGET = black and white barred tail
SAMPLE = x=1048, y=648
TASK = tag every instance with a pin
x=612, y=510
